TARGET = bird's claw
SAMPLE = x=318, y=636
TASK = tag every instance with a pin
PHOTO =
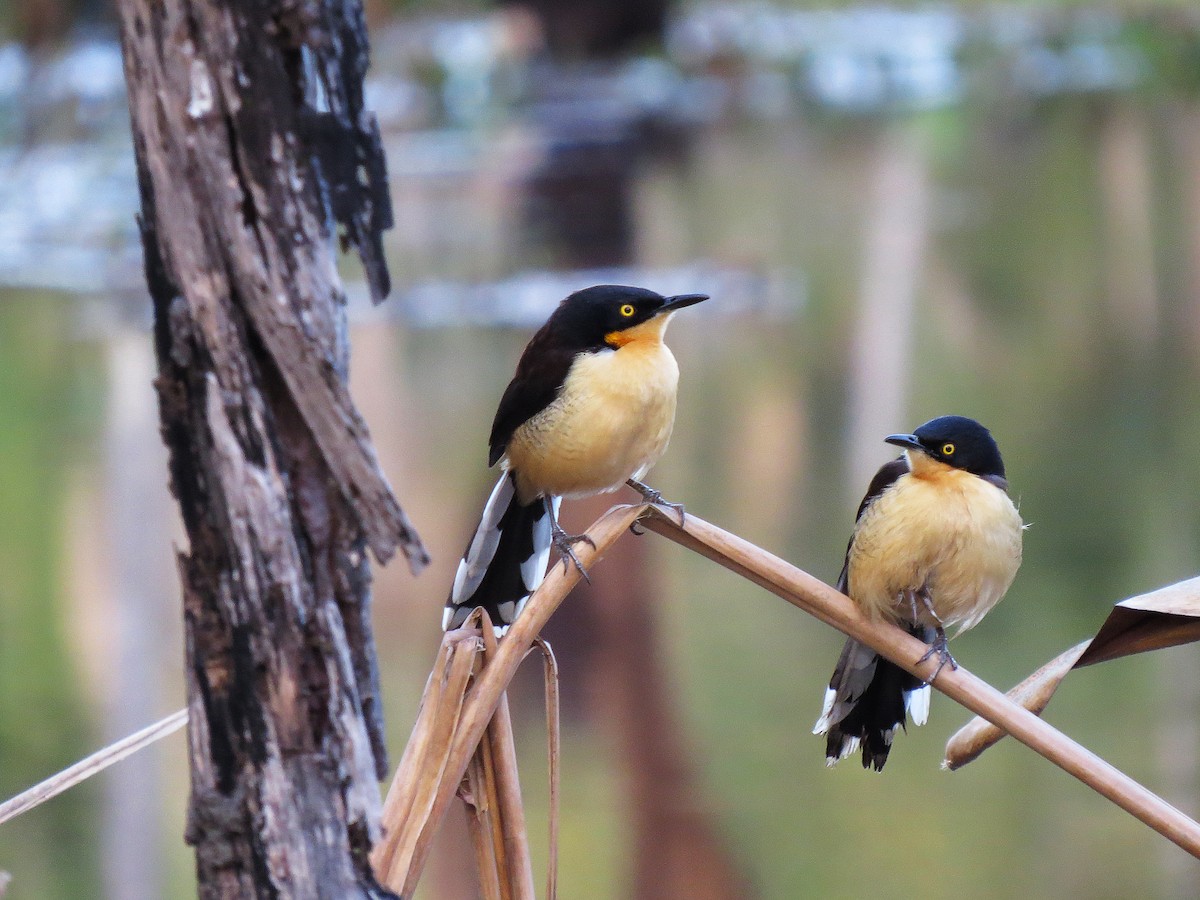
x=940, y=649
x=565, y=545
x=655, y=498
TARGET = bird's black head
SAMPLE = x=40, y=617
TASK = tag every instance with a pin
x=956, y=441
x=609, y=315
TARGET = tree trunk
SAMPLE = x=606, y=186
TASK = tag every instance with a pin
x=897, y=238
x=251, y=145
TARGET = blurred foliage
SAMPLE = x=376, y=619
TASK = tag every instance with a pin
x=43, y=725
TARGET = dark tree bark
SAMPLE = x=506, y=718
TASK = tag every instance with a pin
x=252, y=146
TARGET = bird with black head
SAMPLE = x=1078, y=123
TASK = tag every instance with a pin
x=936, y=543
x=590, y=408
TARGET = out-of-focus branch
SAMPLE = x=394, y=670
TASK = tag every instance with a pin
x=91, y=765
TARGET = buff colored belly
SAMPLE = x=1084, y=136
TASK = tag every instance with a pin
x=953, y=533
x=611, y=422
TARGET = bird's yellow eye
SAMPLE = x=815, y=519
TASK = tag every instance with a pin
x=947, y=449
x=627, y=310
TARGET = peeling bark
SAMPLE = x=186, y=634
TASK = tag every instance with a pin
x=252, y=148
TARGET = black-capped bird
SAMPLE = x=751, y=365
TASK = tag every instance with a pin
x=591, y=408
x=936, y=543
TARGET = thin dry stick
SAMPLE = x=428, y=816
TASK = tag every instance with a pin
x=478, y=792
x=91, y=765
x=516, y=866
x=820, y=600
x=554, y=756
x=478, y=789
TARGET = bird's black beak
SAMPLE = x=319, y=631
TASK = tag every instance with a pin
x=908, y=441
x=679, y=301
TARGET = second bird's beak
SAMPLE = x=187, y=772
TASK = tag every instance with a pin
x=908, y=441
x=679, y=301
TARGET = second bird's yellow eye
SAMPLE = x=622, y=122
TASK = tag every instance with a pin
x=947, y=449
x=627, y=310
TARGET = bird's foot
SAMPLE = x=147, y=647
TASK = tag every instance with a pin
x=928, y=602
x=565, y=545
x=911, y=597
x=919, y=601
x=940, y=649
x=650, y=495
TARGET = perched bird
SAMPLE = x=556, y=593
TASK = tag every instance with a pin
x=591, y=407
x=936, y=543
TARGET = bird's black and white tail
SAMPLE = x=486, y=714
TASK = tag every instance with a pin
x=505, y=561
x=867, y=700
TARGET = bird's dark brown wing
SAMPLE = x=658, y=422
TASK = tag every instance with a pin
x=998, y=480
x=884, y=478
x=540, y=375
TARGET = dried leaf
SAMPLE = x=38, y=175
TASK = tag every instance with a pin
x=1167, y=617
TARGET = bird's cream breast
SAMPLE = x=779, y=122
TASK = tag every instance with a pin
x=949, y=532
x=611, y=422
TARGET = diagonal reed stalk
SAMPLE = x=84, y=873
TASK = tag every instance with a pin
x=422, y=800
x=89, y=766
x=415, y=801
x=830, y=606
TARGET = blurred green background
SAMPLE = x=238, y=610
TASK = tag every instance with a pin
x=899, y=212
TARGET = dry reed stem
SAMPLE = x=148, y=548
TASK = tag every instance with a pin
x=412, y=800
x=1033, y=694
x=500, y=789
x=825, y=603
x=554, y=758
x=421, y=790
x=475, y=792
x=807, y=593
x=479, y=792
x=820, y=600
x=504, y=792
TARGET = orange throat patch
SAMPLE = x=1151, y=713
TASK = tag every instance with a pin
x=651, y=330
